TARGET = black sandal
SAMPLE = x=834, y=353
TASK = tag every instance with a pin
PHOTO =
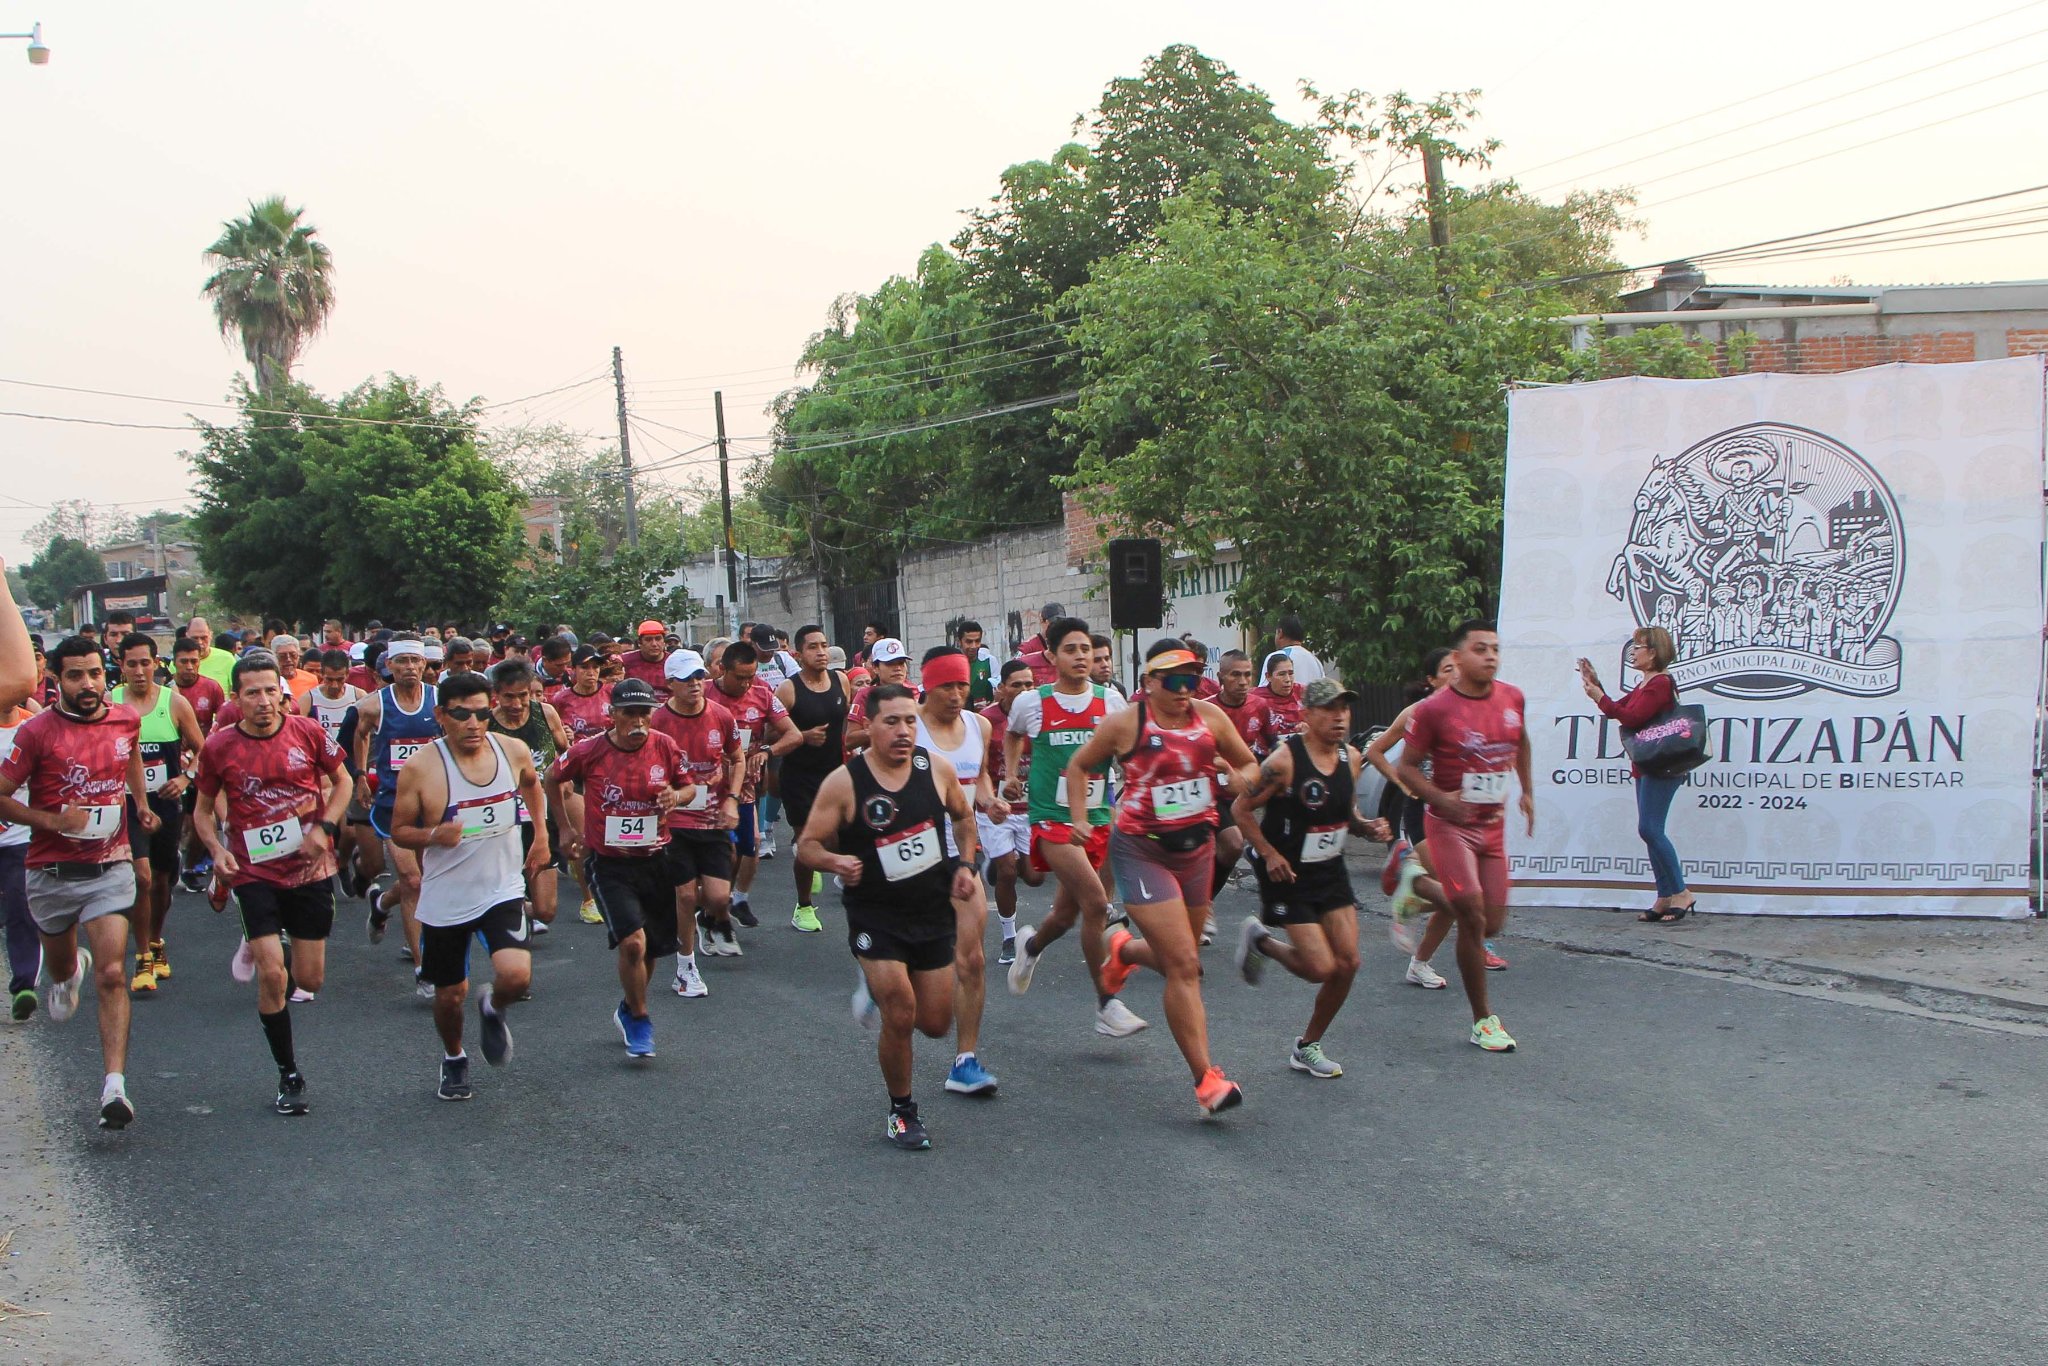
x=1660, y=917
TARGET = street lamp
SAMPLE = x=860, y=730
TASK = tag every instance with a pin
x=38, y=51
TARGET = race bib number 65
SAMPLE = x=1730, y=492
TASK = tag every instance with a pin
x=909, y=853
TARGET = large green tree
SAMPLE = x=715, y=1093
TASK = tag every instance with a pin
x=272, y=286
x=64, y=564
x=378, y=504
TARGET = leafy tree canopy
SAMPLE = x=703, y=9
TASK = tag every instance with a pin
x=64, y=564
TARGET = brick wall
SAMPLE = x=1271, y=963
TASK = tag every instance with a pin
x=2026, y=341
x=1085, y=532
x=1827, y=355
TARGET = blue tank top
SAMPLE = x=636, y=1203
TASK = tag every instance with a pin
x=411, y=733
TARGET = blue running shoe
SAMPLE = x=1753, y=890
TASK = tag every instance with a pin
x=970, y=1078
x=638, y=1031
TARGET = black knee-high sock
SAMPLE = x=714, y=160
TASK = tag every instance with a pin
x=277, y=1028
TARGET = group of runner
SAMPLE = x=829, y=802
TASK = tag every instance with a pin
x=449, y=779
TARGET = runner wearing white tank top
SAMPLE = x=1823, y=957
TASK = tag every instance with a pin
x=458, y=884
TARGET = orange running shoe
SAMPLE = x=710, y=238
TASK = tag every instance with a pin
x=1116, y=971
x=1216, y=1092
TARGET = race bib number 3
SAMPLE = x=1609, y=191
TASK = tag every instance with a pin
x=1323, y=843
x=101, y=823
x=1098, y=791
x=1485, y=789
x=488, y=819
x=1188, y=797
x=630, y=832
x=403, y=750
x=909, y=852
x=279, y=839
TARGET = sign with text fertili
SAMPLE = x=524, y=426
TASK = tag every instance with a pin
x=1850, y=568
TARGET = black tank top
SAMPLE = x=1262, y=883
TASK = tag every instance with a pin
x=905, y=873
x=1314, y=801
x=827, y=709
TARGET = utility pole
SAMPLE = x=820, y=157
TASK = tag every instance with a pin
x=625, y=452
x=732, y=567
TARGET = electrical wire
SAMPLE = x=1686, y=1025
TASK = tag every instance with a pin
x=965, y=365
x=185, y=403
x=698, y=380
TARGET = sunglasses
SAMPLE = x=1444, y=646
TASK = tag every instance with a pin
x=468, y=713
x=1180, y=682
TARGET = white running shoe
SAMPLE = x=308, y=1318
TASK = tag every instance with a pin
x=422, y=988
x=1026, y=964
x=1209, y=931
x=690, y=982
x=64, y=995
x=242, y=967
x=866, y=1013
x=116, y=1110
x=1409, y=909
x=1117, y=1020
x=300, y=996
x=1250, y=962
x=1421, y=974
x=728, y=942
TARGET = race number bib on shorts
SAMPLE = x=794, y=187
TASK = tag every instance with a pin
x=154, y=776
x=279, y=839
x=630, y=832
x=1188, y=797
x=487, y=819
x=908, y=853
x=403, y=750
x=1098, y=791
x=1323, y=843
x=101, y=823
x=1485, y=789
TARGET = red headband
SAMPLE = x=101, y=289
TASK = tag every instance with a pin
x=945, y=669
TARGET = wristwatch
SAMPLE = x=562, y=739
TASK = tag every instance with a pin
x=333, y=830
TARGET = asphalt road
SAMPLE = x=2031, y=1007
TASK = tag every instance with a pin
x=1673, y=1169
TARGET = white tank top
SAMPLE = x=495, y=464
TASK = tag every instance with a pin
x=330, y=713
x=966, y=760
x=457, y=885
x=11, y=835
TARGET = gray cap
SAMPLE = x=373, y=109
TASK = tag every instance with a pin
x=1052, y=611
x=1326, y=692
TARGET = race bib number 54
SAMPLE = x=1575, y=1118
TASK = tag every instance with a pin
x=629, y=832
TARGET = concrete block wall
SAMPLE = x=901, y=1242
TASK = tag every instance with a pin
x=1000, y=582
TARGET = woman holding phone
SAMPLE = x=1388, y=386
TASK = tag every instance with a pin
x=1650, y=653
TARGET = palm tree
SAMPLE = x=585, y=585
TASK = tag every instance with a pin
x=272, y=286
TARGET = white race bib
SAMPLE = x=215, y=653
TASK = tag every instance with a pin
x=700, y=800
x=1323, y=843
x=154, y=776
x=1188, y=797
x=1485, y=789
x=488, y=819
x=280, y=839
x=746, y=738
x=101, y=823
x=403, y=750
x=631, y=832
x=1098, y=791
x=909, y=852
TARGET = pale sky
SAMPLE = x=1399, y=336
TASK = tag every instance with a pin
x=509, y=189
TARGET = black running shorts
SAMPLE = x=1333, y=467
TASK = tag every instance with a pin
x=303, y=912
x=444, y=949
x=635, y=894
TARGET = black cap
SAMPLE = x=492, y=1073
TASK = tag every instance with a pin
x=501, y=629
x=585, y=654
x=631, y=693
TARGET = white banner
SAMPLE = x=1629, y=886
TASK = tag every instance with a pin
x=1851, y=567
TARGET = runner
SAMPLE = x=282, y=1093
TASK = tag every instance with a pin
x=1253, y=721
x=1056, y=720
x=880, y=814
x=516, y=713
x=206, y=698
x=24, y=944
x=764, y=728
x=888, y=662
x=297, y=681
x=647, y=661
x=1281, y=697
x=278, y=850
x=392, y=725
x=981, y=664
x=76, y=760
x=1006, y=845
x=1414, y=892
x=1102, y=664
x=332, y=704
x=778, y=666
x=217, y=665
x=817, y=699
x=1162, y=845
x=1037, y=652
x=459, y=816
x=585, y=708
x=632, y=776
x=700, y=851
x=946, y=729
x=1472, y=735
x=170, y=740
x=1307, y=787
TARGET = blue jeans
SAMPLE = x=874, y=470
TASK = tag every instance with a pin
x=1653, y=804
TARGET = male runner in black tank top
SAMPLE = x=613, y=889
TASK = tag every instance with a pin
x=1307, y=786
x=817, y=700
x=882, y=813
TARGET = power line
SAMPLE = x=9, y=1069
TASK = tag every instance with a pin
x=189, y=403
x=700, y=380
x=822, y=388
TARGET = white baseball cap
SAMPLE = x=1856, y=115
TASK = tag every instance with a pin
x=887, y=650
x=357, y=651
x=684, y=665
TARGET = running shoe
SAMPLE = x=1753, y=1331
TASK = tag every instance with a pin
x=708, y=941
x=345, y=878
x=636, y=1030
x=496, y=1038
x=1421, y=974
x=116, y=1110
x=291, y=1094
x=217, y=893
x=1115, y=971
x=1009, y=950
x=1310, y=1058
x=728, y=942
x=455, y=1079
x=1216, y=1092
x=1117, y=1020
x=589, y=914
x=1409, y=910
x=1494, y=962
x=1390, y=871
x=767, y=848
x=24, y=1004
x=540, y=927
x=64, y=995
x=1118, y=915
x=302, y=997
x=405, y=953
x=193, y=878
x=1209, y=931
x=690, y=982
x=1024, y=964
x=866, y=1013
x=970, y=1078
x=805, y=918
x=744, y=913
x=906, y=1130
x=1250, y=962
x=1488, y=1034
x=378, y=919
x=421, y=987
x=145, y=974
x=159, y=961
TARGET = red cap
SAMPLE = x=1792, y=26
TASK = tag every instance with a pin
x=945, y=669
x=652, y=628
